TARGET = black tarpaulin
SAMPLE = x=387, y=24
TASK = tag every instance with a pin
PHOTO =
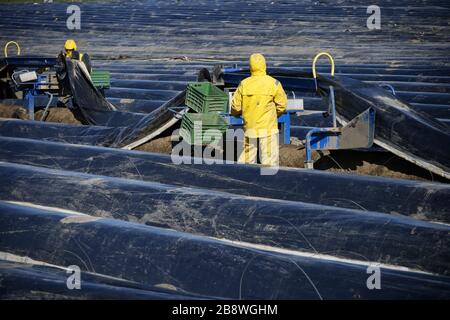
x=197, y=265
x=408, y=133
x=123, y=127
x=299, y=226
x=425, y=200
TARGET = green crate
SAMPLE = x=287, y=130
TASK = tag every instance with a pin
x=193, y=134
x=204, y=97
x=101, y=79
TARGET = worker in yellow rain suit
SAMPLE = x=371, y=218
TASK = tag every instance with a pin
x=70, y=51
x=260, y=99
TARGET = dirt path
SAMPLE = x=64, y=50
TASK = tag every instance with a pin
x=368, y=163
x=12, y=111
x=383, y=164
x=159, y=145
x=60, y=115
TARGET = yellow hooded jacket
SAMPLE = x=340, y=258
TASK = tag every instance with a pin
x=260, y=99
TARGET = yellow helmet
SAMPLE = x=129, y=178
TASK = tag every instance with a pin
x=70, y=45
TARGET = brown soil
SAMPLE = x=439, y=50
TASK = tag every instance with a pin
x=383, y=164
x=160, y=145
x=60, y=115
x=12, y=111
x=294, y=156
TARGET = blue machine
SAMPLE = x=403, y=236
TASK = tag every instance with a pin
x=284, y=120
x=357, y=133
x=34, y=85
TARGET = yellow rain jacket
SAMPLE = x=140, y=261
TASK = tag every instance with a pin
x=260, y=99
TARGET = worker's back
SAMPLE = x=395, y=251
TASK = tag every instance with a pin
x=260, y=99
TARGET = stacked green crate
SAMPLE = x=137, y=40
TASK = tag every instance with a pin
x=204, y=97
x=205, y=126
x=101, y=79
x=202, y=128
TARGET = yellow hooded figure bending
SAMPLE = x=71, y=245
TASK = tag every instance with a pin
x=260, y=99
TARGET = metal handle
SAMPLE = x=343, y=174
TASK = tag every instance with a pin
x=317, y=58
x=7, y=45
x=45, y=113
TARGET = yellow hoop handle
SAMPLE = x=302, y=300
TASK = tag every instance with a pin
x=7, y=45
x=317, y=58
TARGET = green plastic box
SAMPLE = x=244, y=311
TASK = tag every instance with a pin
x=202, y=128
x=101, y=79
x=204, y=97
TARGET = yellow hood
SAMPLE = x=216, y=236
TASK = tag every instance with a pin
x=70, y=45
x=257, y=64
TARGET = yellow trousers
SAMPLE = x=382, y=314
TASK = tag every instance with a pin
x=268, y=150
